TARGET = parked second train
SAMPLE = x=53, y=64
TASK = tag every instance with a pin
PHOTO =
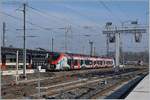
x=66, y=61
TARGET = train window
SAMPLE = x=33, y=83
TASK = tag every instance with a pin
x=88, y=62
x=100, y=62
x=81, y=62
x=21, y=66
x=104, y=62
x=75, y=62
x=33, y=56
x=107, y=62
x=10, y=67
x=69, y=61
x=111, y=62
x=14, y=60
x=55, y=56
x=11, y=60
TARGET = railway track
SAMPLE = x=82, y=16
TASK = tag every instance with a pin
x=107, y=90
x=55, y=90
x=58, y=83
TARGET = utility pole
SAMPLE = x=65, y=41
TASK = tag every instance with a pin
x=117, y=50
x=17, y=62
x=66, y=39
x=66, y=31
x=91, y=47
x=83, y=52
x=121, y=52
x=94, y=53
x=24, y=40
x=52, y=44
x=4, y=31
x=107, y=26
x=107, y=44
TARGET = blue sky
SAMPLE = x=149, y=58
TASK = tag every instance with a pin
x=77, y=13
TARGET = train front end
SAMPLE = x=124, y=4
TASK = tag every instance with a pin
x=56, y=61
x=52, y=60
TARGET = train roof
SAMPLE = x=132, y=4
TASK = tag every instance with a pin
x=82, y=55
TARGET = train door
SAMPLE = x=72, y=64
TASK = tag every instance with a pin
x=82, y=63
x=92, y=64
x=76, y=64
x=70, y=63
x=95, y=64
x=103, y=63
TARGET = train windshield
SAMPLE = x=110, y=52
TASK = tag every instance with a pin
x=54, y=56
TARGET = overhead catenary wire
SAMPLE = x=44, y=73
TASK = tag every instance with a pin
x=61, y=19
x=109, y=10
x=122, y=11
x=82, y=14
x=28, y=22
x=85, y=16
x=17, y=18
x=48, y=15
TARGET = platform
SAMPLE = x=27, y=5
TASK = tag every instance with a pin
x=141, y=91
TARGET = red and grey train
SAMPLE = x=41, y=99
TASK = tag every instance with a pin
x=52, y=60
x=66, y=61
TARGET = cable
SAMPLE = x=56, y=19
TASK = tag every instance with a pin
x=81, y=14
x=33, y=23
x=17, y=18
x=109, y=10
x=48, y=15
x=123, y=11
